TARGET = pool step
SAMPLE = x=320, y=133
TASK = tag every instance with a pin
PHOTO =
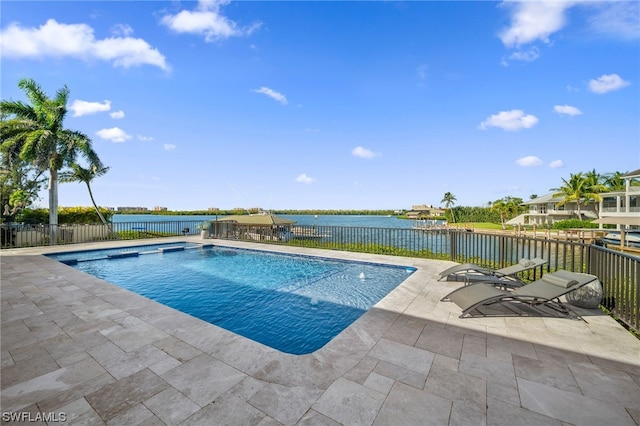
x=123, y=254
x=170, y=249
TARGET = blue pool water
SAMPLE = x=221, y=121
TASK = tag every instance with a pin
x=295, y=304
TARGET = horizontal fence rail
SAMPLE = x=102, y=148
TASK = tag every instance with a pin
x=618, y=272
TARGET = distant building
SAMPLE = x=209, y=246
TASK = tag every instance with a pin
x=213, y=209
x=160, y=209
x=132, y=209
x=622, y=207
x=423, y=211
x=547, y=210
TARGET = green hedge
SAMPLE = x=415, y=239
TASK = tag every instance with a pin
x=66, y=215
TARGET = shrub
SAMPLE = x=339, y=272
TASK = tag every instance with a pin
x=574, y=223
x=66, y=215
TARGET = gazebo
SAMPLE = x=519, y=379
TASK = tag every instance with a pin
x=254, y=227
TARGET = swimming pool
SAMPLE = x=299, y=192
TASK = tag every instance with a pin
x=292, y=303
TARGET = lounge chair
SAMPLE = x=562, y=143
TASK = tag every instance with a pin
x=470, y=272
x=482, y=299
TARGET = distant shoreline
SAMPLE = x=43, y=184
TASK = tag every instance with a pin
x=282, y=212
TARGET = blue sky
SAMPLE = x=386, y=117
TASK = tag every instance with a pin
x=333, y=105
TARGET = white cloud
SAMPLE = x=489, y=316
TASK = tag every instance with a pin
x=533, y=20
x=361, y=152
x=122, y=30
x=303, y=178
x=206, y=20
x=567, y=109
x=556, y=164
x=116, y=115
x=272, y=94
x=145, y=138
x=607, y=83
x=530, y=160
x=510, y=120
x=528, y=55
x=58, y=40
x=81, y=108
x=169, y=147
x=616, y=18
x=114, y=134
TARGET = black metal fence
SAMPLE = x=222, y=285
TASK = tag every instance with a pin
x=19, y=235
x=618, y=272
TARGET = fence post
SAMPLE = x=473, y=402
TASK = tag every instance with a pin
x=452, y=244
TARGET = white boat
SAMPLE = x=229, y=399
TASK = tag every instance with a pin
x=631, y=238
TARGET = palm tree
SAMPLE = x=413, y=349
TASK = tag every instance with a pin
x=615, y=181
x=507, y=206
x=578, y=188
x=80, y=174
x=36, y=134
x=595, y=186
x=449, y=200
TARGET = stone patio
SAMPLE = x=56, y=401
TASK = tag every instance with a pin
x=78, y=350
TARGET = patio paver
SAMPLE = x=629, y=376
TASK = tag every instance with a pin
x=74, y=344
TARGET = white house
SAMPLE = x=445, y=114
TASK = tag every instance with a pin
x=546, y=210
x=622, y=207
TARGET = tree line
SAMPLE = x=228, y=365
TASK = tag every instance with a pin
x=581, y=188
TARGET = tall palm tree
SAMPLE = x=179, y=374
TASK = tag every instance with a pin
x=449, y=199
x=578, y=188
x=594, y=187
x=615, y=181
x=80, y=174
x=36, y=134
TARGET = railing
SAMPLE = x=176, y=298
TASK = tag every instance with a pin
x=19, y=235
x=618, y=272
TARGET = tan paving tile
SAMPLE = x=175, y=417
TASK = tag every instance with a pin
x=379, y=382
x=607, y=384
x=550, y=374
x=570, y=407
x=35, y=389
x=407, y=405
x=490, y=369
x=313, y=418
x=28, y=369
x=401, y=374
x=404, y=356
x=349, y=403
x=286, y=404
x=59, y=399
x=408, y=358
x=500, y=413
x=136, y=415
x=112, y=399
x=203, y=379
x=361, y=371
x=455, y=386
x=441, y=341
x=171, y=406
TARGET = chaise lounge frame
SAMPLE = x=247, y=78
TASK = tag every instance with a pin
x=538, y=295
x=503, y=277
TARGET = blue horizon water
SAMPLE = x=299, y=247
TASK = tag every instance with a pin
x=374, y=221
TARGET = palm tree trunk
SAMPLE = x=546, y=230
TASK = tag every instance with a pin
x=53, y=206
x=95, y=206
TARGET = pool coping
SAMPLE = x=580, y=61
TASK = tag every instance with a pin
x=371, y=360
